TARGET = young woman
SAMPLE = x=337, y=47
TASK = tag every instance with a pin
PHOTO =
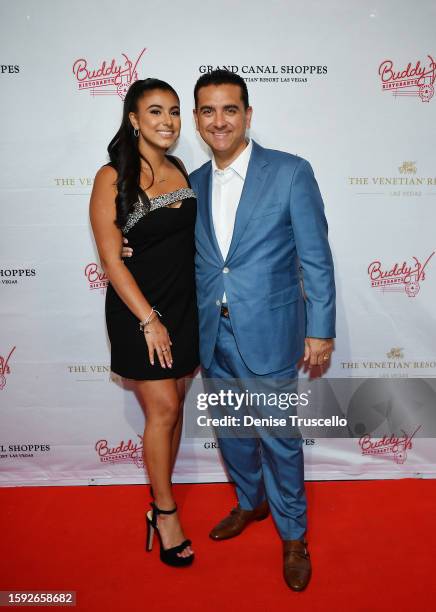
x=151, y=313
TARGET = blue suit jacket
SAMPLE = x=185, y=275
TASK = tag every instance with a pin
x=280, y=225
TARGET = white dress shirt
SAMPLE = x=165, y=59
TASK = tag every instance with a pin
x=227, y=187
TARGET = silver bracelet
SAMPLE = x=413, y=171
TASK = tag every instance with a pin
x=147, y=321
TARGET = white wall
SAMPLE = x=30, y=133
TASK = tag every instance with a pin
x=56, y=389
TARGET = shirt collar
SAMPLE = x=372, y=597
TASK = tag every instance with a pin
x=240, y=164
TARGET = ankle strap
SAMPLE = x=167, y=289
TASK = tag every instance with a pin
x=159, y=511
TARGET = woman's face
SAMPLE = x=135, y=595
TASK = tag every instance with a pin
x=157, y=118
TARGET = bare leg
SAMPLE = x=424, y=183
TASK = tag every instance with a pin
x=162, y=406
x=181, y=387
x=177, y=434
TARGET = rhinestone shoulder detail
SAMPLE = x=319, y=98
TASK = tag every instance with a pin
x=166, y=199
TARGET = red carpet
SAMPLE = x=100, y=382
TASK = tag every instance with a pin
x=372, y=545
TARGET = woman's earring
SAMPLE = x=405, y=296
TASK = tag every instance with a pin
x=136, y=132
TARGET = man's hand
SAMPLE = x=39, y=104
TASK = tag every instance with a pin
x=317, y=351
x=126, y=250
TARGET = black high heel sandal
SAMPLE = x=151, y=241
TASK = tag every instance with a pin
x=168, y=556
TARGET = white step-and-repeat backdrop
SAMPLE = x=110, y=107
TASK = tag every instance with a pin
x=347, y=85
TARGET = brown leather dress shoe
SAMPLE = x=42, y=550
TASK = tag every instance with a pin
x=237, y=521
x=297, y=568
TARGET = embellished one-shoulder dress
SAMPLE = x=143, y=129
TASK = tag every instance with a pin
x=163, y=267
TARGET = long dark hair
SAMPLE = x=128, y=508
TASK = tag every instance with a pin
x=124, y=152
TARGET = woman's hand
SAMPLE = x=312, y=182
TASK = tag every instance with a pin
x=126, y=251
x=158, y=339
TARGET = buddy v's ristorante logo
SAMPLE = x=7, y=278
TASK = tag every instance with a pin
x=109, y=77
x=5, y=368
x=388, y=447
x=96, y=276
x=405, y=276
x=413, y=80
x=124, y=452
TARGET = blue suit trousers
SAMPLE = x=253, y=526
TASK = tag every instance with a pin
x=265, y=467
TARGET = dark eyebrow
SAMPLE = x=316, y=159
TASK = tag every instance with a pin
x=226, y=107
x=160, y=106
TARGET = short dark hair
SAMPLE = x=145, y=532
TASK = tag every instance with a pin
x=222, y=77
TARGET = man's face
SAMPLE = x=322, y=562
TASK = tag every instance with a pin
x=221, y=118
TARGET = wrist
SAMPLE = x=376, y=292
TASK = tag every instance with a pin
x=152, y=316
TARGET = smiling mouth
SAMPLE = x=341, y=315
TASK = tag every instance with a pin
x=165, y=133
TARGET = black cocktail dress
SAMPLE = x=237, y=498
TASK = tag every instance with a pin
x=163, y=267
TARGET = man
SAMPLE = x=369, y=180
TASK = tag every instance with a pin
x=260, y=217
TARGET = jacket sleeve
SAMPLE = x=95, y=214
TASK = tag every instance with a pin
x=310, y=232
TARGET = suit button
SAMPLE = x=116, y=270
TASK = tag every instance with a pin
x=218, y=303
x=225, y=270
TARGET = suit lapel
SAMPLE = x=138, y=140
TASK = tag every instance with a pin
x=206, y=209
x=250, y=196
